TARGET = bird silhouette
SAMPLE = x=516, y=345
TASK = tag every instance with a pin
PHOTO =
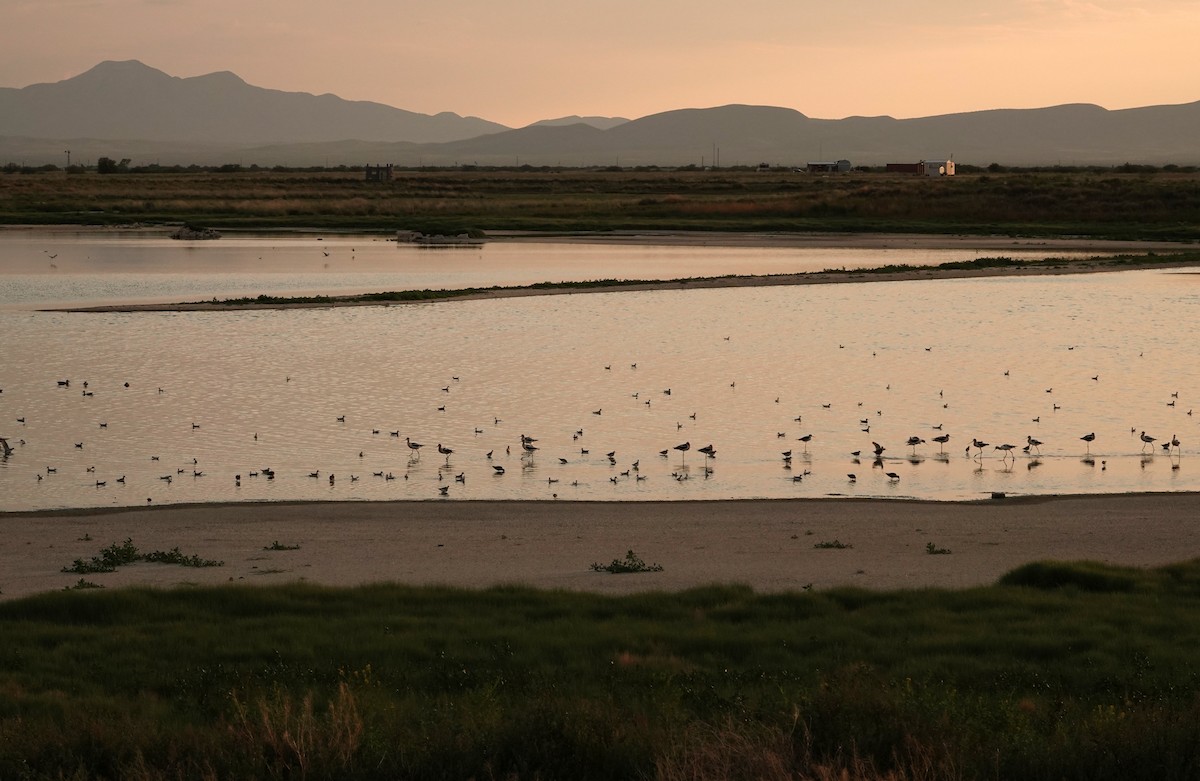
x=683, y=448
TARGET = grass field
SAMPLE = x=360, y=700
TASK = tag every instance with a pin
x=1159, y=205
x=1061, y=671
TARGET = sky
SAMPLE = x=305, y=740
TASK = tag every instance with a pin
x=518, y=61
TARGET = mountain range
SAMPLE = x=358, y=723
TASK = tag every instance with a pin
x=130, y=110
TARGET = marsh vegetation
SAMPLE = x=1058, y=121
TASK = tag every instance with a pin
x=1060, y=671
x=1116, y=203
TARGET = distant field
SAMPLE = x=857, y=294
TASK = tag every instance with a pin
x=1143, y=206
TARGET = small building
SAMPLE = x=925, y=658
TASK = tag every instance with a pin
x=378, y=173
x=923, y=168
x=839, y=167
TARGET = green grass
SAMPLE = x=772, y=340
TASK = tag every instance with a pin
x=1062, y=671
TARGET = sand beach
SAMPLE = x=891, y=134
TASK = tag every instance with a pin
x=767, y=544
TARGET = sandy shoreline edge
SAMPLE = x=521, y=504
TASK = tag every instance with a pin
x=766, y=544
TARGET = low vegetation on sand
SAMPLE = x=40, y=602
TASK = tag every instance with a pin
x=1060, y=671
x=1122, y=203
x=126, y=553
x=426, y=295
x=632, y=563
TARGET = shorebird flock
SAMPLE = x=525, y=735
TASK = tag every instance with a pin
x=561, y=461
x=658, y=404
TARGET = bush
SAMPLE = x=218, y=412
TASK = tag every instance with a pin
x=1086, y=576
x=632, y=563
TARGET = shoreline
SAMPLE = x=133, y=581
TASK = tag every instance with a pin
x=1108, y=259
x=1094, y=265
x=836, y=240
x=686, y=238
x=767, y=544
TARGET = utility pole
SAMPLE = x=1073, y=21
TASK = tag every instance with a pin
x=68, y=151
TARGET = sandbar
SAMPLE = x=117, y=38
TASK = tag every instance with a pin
x=1110, y=255
x=770, y=545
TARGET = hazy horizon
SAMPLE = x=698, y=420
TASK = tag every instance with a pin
x=531, y=60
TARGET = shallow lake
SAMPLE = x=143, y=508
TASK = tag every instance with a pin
x=203, y=396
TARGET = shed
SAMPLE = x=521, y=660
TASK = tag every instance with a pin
x=838, y=167
x=378, y=173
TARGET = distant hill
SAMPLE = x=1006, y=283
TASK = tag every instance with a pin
x=129, y=100
x=126, y=109
x=748, y=135
x=601, y=123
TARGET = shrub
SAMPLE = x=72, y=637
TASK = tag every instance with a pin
x=632, y=563
x=1086, y=576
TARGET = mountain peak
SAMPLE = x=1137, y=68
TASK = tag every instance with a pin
x=127, y=99
x=123, y=68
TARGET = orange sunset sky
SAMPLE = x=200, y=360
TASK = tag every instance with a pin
x=519, y=61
